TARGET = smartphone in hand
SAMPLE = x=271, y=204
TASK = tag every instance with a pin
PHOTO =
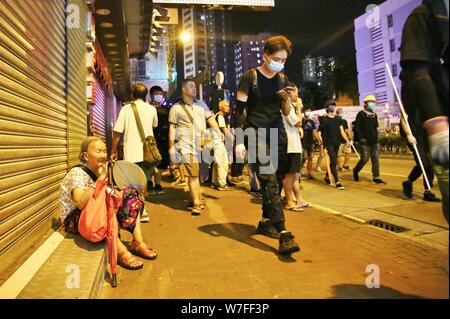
x=289, y=89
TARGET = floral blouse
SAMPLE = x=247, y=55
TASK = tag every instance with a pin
x=75, y=178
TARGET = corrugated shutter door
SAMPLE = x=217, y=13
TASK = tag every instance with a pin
x=76, y=86
x=33, y=121
x=98, y=109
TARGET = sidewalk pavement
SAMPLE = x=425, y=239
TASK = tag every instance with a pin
x=363, y=202
x=218, y=255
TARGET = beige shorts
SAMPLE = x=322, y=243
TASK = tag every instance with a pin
x=191, y=166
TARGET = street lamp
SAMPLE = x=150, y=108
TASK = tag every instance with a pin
x=185, y=36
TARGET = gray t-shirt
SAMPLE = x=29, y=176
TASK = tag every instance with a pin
x=188, y=134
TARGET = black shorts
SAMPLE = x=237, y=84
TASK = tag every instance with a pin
x=294, y=163
x=308, y=150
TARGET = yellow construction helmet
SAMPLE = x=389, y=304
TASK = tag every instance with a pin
x=370, y=98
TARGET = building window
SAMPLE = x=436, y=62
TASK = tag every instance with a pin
x=390, y=21
x=392, y=44
x=394, y=70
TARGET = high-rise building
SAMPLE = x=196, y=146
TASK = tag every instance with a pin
x=317, y=69
x=221, y=47
x=378, y=35
x=309, y=73
x=249, y=53
x=194, y=42
x=208, y=47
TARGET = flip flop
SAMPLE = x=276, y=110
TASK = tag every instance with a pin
x=296, y=209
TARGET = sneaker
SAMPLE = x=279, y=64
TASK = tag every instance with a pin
x=222, y=188
x=428, y=196
x=255, y=192
x=235, y=180
x=287, y=244
x=196, y=210
x=144, y=217
x=407, y=189
x=378, y=181
x=327, y=181
x=340, y=169
x=340, y=187
x=159, y=190
x=267, y=229
x=191, y=205
x=355, y=176
x=347, y=168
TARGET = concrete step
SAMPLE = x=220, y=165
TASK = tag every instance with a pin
x=75, y=270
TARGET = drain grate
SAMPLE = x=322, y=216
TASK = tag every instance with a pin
x=387, y=226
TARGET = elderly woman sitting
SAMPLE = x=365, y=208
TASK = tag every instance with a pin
x=78, y=186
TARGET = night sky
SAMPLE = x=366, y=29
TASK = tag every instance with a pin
x=316, y=27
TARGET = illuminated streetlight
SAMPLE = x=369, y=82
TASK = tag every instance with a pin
x=185, y=36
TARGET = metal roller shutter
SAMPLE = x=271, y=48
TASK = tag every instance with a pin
x=98, y=109
x=33, y=121
x=76, y=86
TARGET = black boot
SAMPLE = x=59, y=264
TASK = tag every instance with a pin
x=428, y=196
x=355, y=176
x=287, y=244
x=267, y=229
x=408, y=189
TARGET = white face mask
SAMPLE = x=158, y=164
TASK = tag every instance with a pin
x=158, y=98
x=276, y=66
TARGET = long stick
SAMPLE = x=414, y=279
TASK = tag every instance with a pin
x=354, y=148
x=405, y=116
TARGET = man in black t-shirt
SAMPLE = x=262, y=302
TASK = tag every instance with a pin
x=366, y=126
x=262, y=97
x=344, y=149
x=331, y=133
x=309, y=136
x=425, y=90
x=161, y=132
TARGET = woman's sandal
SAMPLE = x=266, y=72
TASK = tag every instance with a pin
x=141, y=250
x=127, y=261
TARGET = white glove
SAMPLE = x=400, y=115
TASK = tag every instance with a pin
x=240, y=151
x=439, y=148
x=411, y=139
